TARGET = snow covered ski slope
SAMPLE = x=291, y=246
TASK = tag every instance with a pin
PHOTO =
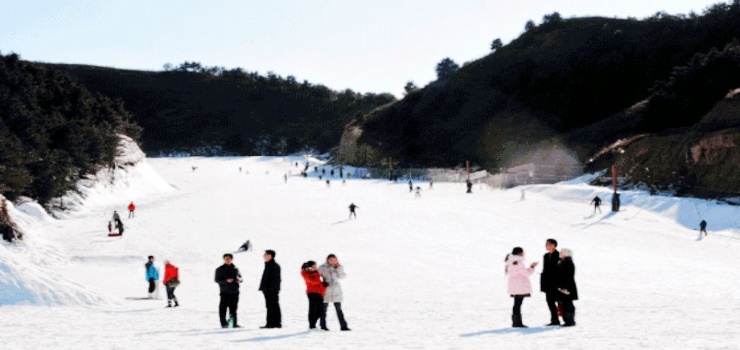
x=422, y=273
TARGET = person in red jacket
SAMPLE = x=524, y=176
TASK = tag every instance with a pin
x=131, y=208
x=171, y=280
x=315, y=290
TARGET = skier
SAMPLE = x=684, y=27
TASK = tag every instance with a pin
x=597, y=204
x=110, y=227
x=131, y=208
x=119, y=227
x=328, y=183
x=171, y=280
x=152, y=275
x=470, y=186
x=270, y=287
x=549, y=279
x=116, y=217
x=316, y=169
x=567, y=286
x=519, y=286
x=240, y=169
x=245, y=247
x=285, y=177
x=194, y=168
x=228, y=279
x=321, y=177
x=418, y=192
x=332, y=271
x=703, y=227
x=323, y=171
x=352, y=208
x=411, y=186
x=315, y=290
x=332, y=172
x=431, y=184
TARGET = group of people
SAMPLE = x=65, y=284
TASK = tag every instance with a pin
x=319, y=282
x=116, y=219
x=557, y=281
x=171, y=280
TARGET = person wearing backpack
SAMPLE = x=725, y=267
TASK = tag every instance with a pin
x=171, y=280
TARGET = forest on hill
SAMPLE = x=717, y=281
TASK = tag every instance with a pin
x=579, y=84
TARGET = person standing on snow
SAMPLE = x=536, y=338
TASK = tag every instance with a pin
x=703, y=227
x=469, y=184
x=151, y=275
x=116, y=217
x=549, y=279
x=171, y=280
x=597, y=204
x=332, y=271
x=418, y=192
x=228, y=279
x=270, y=287
x=567, y=286
x=519, y=286
x=352, y=208
x=315, y=290
x=411, y=186
x=131, y=208
x=119, y=227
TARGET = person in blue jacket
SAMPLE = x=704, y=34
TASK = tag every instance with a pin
x=152, y=276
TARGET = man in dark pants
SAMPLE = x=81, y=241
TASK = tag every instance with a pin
x=567, y=286
x=228, y=279
x=270, y=287
x=549, y=279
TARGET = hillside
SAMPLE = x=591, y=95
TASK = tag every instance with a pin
x=574, y=83
x=214, y=111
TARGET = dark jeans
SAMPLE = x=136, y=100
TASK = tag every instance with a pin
x=272, y=302
x=340, y=315
x=171, y=293
x=518, y=300
x=315, y=308
x=568, y=307
x=130, y=214
x=152, y=285
x=228, y=301
x=552, y=298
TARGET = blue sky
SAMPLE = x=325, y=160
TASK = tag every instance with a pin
x=368, y=46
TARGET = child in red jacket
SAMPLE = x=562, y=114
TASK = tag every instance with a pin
x=315, y=290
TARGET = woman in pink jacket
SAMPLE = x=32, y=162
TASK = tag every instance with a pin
x=519, y=286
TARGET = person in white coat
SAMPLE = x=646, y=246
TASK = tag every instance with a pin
x=331, y=272
x=519, y=286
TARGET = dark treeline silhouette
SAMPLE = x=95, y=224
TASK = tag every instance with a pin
x=575, y=82
x=199, y=109
x=52, y=130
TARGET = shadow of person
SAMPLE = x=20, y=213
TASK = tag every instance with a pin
x=273, y=337
x=509, y=330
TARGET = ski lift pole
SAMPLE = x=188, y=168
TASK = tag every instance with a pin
x=615, y=196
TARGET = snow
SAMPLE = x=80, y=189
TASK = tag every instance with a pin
x=421, y=273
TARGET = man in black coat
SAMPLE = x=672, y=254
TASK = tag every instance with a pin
x=270, y=287
x=549, y=279
x=567, y=286
x=228, y=279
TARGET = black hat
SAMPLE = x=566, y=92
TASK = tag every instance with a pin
x=330, y=256
x=270, y=252
x=517, y=251
x=228, y=255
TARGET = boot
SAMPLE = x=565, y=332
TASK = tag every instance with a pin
x=176, y=303
x=169, y=303
x=554, y=322
x=516, y=321
x=569, y=320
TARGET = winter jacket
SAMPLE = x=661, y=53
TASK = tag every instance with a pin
x=170, y=272
x=313, y=282
x=131, y=207
x=225, y=272
x=566, y=278
x=270, y=277
x=518, y=276
x=549, y=276
x=331, y=276
x=151, y=271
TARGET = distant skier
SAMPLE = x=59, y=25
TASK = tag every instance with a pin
x=110, y=226
x=703, y=227
x=431, y=184
x=116, y=217
x=519, y=286
x=332, y=271
x=194, y=168
x=171, y=280
x=328, y=183
x=228, y=279
x=332, y=172
x=352, y=208
x=323, y=171
x=270, y=287
x=341, y=172
x=567, y=286
x=119, y=227
x=411, y=186
x=285, y=177
x=240, y=169
x=597, y=204
x=296, y=164
x=469, y=184
x=315, y=291
x=245, y=247
x=418, y=192
x=316, y=169
x=321, y=177
x=131, y=208
x=152, y=276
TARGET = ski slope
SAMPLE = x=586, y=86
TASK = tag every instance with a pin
x=422, y=273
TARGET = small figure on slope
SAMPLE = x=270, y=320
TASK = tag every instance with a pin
x=597, y=204
x=352, y=208
x=131, y=208
x=171, y=280
x=703, y=227
x=469, y=184
x=418, y=192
